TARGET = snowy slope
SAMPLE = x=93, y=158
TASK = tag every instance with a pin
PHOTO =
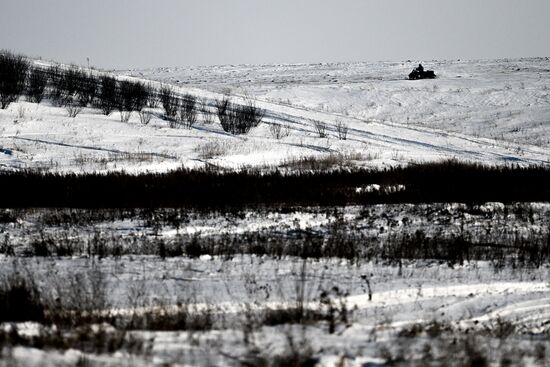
x=496, y=112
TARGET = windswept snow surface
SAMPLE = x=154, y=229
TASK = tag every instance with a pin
x=500, y=306
x=472, y=299
x=496, y=112
x=507, y=100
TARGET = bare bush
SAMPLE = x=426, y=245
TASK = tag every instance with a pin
x=131, y=96
x=145, y=117
x=141, y=94
x=279, y=131
x=38, y=80
x=56, y=94
x=208, y=118
x=222, y=107
x=207, y=115
x=342, y=130
x=170, y=103
x=211, y=149
x=72, y=85
x=13, y=74
x=188, y=111
x=107, y=94
x=238, y=119
x=320, y=128
x=124, y=101
x=73, y=108
x=125, y=116
x=87, y=88
x=153, y=100
x=21, y=112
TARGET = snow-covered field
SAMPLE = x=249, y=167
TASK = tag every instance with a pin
x=433, y=284
x=470, y=301
x=495, y=112
x=372, y=308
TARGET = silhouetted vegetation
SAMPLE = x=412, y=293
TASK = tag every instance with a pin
x=132, y=96
x=107, y=98
x=449, y=181
x=13, y=75
x=170, y=103
x=236, y=118
x=20, y=300
x=38, y=79
x=188, y=111
x=70, y=87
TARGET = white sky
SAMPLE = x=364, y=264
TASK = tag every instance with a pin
x=148, y=33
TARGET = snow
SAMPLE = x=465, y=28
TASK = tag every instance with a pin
x=470, y=297
x=483, y=111
x=489, y=111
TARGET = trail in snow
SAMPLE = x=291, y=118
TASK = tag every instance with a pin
x=481, y=111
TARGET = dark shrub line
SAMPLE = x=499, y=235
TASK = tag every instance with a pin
x=449, y=181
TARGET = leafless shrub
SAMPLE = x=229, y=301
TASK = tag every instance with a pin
x=279, y=131
x=320, y=128
x=170, y=103
x=107, y=98
x=153, y=101
x=132, y=96
x=37, y=82
x=72, y=85
x=207, y=115
x=211, y=149
x=238, y=119
x=324, y=162
x=341, y=130
x=145, y=117
x=21, y=112
x=73, y=108
x=222, y=109
x=334, y=308
x=174, y=123
x=13, y=75
x=125, y=116
x=188, y=111
x=208, y=118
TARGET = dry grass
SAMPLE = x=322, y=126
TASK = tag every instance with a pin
x=324, y=162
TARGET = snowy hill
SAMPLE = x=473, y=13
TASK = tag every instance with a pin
x=495, y=112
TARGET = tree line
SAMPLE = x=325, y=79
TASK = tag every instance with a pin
x=74, y=89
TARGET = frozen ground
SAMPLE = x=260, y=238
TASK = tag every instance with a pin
x=495, y=112
x=436, y=284
x=472, y=300
x=506, y=99
x=379, y=310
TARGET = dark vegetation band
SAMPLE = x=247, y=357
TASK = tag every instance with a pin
x=448, y=181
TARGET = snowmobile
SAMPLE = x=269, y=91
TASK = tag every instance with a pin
x=416, y=74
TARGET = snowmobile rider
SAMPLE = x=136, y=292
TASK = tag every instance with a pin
x=420, y=68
